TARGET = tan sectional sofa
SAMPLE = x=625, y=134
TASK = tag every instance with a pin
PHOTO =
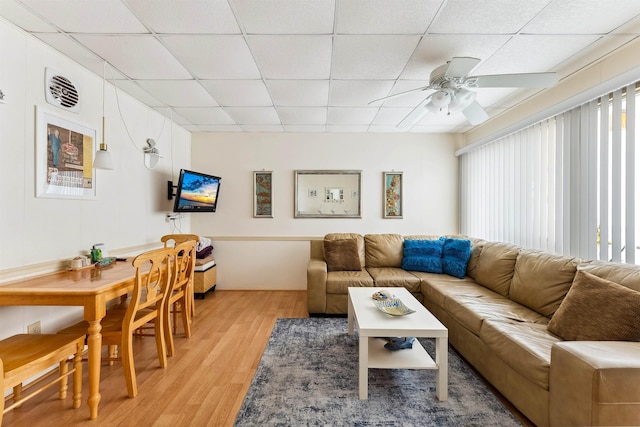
x=498, y=317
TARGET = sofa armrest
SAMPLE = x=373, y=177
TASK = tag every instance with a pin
x=316, y=286
x=594, y=383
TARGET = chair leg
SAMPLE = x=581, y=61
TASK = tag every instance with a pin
x=186, y=318
x=171, y=350
x=160, y=340
x=1, y=388
x=17, y=393
x=77, y=377
x=64, y=368
x=127, y=364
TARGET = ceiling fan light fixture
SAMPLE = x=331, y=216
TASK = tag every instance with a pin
x=440, y=99
x=461, y=100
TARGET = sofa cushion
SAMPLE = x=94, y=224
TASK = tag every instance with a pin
x=383, y=250
x=495, y=266
x=423, y=255
x=476, y=248
x=596, y=309
x=342, y=255
x=541, y=280
x=524, y=346
x=438, y=287
x=357, y=237
x=623, y=274
x=455, y=256
x=394, y=277
x=339, y=281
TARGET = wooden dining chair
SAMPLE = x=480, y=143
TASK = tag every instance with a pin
x=179, y=300
x=174, y=240
x=26, y=356
x=155, y=276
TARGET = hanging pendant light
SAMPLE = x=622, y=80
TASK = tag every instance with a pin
x=103, y=157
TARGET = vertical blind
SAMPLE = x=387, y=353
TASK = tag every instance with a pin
x=565, y=185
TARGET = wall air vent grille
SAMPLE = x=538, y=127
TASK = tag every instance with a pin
x=61, y=91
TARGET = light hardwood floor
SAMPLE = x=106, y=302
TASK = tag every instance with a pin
x=204, y=384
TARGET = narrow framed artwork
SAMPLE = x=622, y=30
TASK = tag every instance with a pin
x=392, y=197
x=262, y=194
x=64, y=158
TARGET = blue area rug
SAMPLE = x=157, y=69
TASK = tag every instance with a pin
x=308, y=376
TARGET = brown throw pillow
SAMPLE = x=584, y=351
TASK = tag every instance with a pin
x=342, y=255
x=596, y=309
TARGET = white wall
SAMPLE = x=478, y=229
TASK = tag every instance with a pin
x=131, y=200
x=272, y=253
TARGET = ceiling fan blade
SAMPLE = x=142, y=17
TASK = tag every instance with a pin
x=475, y=114
x=514, y=80
x=395, y=95
x=416, y=114
x=461, y=66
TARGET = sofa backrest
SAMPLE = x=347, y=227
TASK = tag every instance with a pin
x=541, y=280
x=494, y=269
x=383, y=250
x=476, y=248
x=624, y=274
x=357, y=237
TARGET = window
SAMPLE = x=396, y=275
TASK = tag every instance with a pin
x=565, y=185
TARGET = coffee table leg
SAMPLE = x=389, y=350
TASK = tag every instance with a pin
x=363, y=368
x=443, y=364
x=349, y=316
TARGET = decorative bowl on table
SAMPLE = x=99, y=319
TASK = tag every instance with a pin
x=393, y=306
x=105, y=261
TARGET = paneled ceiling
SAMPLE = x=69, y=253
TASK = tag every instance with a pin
x=314, y=65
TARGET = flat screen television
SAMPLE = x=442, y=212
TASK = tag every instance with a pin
x=196, y=192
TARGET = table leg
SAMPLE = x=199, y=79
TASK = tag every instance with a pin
x=94, y=342
x=442, y=356
x=349, y=317
x=363, y=368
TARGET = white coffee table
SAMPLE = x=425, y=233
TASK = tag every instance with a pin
x=371, y=323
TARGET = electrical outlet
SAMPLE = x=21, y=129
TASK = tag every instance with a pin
x=34, y=328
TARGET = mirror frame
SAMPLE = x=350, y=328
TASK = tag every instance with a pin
x=324, y=179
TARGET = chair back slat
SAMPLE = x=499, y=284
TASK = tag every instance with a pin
x=176, y=239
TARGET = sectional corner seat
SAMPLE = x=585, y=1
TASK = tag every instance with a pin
x=501, y=314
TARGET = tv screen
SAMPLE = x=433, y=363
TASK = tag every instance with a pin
x=196, y=192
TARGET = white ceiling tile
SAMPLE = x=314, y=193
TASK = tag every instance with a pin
x=371, y=57
x=286, y=16
x=135, y=90
x=345, y=93
x=238, y=92
x=191, y=17
x=292, y=57
x=435, y=50
x=80, y=16
x=351, y=115
x=303, y=115
x=213, y=57
x=144, y=57
x=385, y=17
x=411, y=98
x=485, y=16
x=262, y=128
x=531, y=54
x=73, y=49
x=391, y=116
x=205, y=115
x=292, y=93
x=582, y=16
x=305, y=128
x=347, y=128
x=254, y=115
x=181, y=93
x=385, y=129
x=18, y=15
x=225, y=128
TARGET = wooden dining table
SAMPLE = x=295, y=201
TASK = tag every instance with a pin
x=91, y=288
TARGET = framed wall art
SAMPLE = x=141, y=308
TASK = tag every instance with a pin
x=262, y=194
x=392, y=195
x=64, y=158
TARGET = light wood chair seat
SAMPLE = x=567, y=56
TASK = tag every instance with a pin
x=25, y=356
x=155, y=276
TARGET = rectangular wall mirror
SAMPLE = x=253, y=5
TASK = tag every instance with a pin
x=327, y=194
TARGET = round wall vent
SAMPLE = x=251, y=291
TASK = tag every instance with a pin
x=61, y=91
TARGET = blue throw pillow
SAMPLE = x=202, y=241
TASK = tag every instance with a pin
x=423, y=255
x=455, y=256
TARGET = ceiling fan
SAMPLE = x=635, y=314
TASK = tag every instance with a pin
x=454, y=90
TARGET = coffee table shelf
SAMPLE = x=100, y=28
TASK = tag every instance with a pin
x=409, y=358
